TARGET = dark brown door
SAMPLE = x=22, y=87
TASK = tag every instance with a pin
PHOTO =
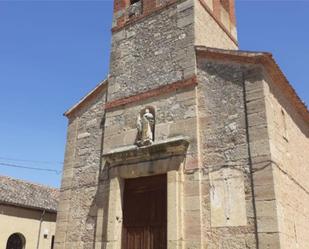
x=145, y=213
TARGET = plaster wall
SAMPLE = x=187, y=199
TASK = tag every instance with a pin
x=289, y=146
x=26, y=222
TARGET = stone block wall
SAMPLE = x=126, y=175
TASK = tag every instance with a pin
x=289, y=146
x=251, y=131
x=175, y=115
x=221, y=11
x=211, y=31
x=228, y=207
x=158, y=49
x=264, y=211
x=244, y=172
x=154, y=51
x=77, y=211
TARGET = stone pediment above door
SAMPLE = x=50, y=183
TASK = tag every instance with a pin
x=157, y=158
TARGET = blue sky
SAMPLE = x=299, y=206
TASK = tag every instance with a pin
x=53, y=52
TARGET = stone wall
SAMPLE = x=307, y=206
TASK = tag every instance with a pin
x=77, y=208
x=266, y=140
x=227, y=190
x=158, y=49
x=154, y=51
x=207, y=31
x=264, y=211
x=228, y=208
x=289, y=146
x=175, y=115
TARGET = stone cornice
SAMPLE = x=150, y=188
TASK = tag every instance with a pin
x=176, y=146
x=86, y=98
x=172, y=87
x=267, y=61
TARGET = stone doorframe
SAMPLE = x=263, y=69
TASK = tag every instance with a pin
x=166, y=157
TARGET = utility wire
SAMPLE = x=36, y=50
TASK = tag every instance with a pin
x=29, y=161
x=29, y=167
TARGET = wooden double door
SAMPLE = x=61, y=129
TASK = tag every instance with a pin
x=145, y=213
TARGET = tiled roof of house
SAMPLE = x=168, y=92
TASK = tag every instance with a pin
x=25, y=194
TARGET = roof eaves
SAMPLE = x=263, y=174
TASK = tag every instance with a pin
x=9, y=203
x=86, y=97
x=10, y=198
x=231, y=55
x=264, y=58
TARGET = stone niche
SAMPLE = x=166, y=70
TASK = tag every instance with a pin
x=164, y=157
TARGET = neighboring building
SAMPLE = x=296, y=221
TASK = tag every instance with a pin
x=185, y=146
x=27, y=214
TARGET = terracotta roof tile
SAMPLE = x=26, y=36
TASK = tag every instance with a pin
x=25, y=194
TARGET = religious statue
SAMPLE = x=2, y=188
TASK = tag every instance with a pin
x=145, y=128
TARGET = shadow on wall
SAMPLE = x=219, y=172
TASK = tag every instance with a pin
x=100, y=202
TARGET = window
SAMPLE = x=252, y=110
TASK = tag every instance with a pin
x=285, y=129
x=16, y=241
x=135, y=8
x=134, y=1
x=52, y=242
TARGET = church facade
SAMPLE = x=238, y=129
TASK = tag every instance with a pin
x=190, y=143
